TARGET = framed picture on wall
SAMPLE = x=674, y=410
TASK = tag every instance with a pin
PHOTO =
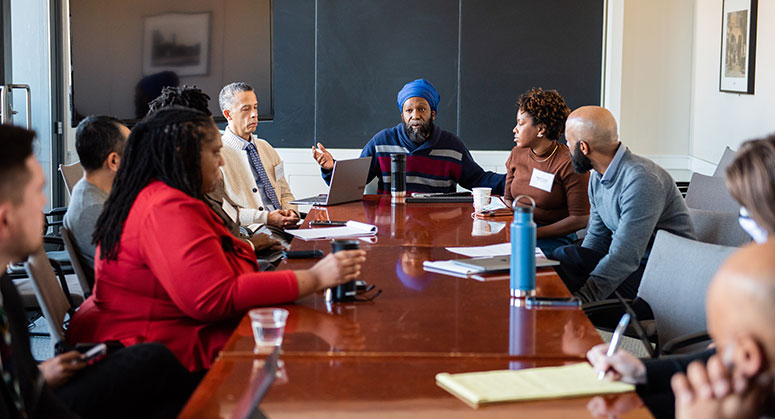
x=177, y=42
x=738, y=46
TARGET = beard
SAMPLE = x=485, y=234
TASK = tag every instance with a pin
x=418, y=134
x=580, y=162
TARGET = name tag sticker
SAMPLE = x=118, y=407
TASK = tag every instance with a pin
x=542, y=180
x=279, y=171
x=229, y=210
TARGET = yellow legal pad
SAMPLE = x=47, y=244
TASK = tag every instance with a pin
x=476, y=388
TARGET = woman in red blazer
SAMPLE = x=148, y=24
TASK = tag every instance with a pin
x=168, y=269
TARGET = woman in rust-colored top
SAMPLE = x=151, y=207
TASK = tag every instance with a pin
x=540, y=166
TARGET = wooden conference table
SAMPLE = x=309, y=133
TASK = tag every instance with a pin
x=380, y=358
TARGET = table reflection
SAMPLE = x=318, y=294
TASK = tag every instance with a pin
x=486, y=228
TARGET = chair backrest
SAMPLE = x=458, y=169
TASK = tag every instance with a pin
x=710, y=193
x=51, y=297
x=718, y=228
x=85, y=277
x=71, y=174
x=726, y=158
x=676, y=281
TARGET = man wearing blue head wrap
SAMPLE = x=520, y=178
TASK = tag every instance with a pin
x=436, y=160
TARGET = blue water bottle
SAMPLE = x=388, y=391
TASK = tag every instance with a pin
x=523, y=247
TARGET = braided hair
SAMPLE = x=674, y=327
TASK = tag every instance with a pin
x=188, y=96
x=164, y=146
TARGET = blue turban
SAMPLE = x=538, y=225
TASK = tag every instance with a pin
x=419, y=88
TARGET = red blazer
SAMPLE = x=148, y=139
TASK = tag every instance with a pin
x=181, y=278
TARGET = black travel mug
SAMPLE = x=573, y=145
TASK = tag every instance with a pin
x=398, y=178
x=346, y=291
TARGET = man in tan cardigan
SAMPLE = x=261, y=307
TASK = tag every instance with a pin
x=254, y=175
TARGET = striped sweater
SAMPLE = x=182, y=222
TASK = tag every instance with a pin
x=437, y=165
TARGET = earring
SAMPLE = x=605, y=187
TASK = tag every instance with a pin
x=540, y=135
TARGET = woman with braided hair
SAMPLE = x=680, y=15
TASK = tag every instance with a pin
x=168, y=270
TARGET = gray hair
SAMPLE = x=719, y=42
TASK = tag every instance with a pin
x=226, y=97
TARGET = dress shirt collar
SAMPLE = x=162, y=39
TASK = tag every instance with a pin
x=610, y=172
x=233, y=140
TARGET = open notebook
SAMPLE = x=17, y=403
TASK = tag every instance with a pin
x=478, y=388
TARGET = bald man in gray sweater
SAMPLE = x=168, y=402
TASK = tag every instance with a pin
x=631, y=198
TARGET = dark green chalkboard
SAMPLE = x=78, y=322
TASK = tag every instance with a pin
x=338, y=64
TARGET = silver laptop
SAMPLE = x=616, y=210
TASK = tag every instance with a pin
x=347, y=183
x=498, y=263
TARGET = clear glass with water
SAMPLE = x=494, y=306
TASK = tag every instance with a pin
x=268, y=325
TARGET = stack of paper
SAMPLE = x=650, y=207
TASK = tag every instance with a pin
x=352, y=229
x=448, y=267
x=575, y=380
x=501, y=249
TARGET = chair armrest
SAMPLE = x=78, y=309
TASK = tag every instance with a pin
x=58, y=211
x=671, y=346
x=53, y=240
x=63, y=282
x=604, y=314
x=602, y=305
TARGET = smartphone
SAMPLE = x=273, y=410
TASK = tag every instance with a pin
x=95, y=352
x=302, y=254
x=553, y=301
x=328, y=223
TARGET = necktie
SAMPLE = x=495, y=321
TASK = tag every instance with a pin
x=256, y=161
x=7, y=369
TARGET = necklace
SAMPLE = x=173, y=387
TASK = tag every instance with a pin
x=533, y=154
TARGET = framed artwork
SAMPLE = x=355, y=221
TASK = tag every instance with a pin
x=738, y=46
x=177, y=42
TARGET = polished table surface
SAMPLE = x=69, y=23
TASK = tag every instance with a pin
x=432, y=313
x=381, y=357
x=424, y=225
x=380, y=387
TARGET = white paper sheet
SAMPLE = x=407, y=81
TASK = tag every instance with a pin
x=501, y=249
x=447, y=267
x=352, y=229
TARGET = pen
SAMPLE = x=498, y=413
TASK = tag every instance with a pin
x=542, y=302
x=615, y=340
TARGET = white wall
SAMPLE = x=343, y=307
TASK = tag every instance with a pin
x=656, y=76
x=648, y=78
x=722, y=119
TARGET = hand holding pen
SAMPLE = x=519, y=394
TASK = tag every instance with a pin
x=619, y=366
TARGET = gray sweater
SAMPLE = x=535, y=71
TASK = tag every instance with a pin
x=85, y=207
x=624, y=217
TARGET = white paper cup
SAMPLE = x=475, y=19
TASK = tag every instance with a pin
x=481, y=198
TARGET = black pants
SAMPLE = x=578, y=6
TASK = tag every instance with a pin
x=576, y=263
x=144, y=380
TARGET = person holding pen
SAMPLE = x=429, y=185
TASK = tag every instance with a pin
x=740, y=306
x=540, y=166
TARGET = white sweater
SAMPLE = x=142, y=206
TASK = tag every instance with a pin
x=241, y=185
